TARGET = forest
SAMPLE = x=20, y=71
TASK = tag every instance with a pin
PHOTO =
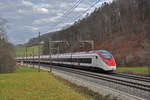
x=121, y=27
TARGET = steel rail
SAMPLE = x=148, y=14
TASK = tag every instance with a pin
x=134, y=77
x=108, y=78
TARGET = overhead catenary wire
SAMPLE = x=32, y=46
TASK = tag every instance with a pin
x=76, y=18
x=85, y=12
x=69, y=11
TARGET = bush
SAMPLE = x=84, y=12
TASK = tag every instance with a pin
x=7, y=59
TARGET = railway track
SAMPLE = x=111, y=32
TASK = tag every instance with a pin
x=138, y=82
x=122, y=75
x=138, y=85
x=134, y=77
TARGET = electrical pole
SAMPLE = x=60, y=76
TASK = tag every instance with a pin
x=148, y=68
x=33, y=57
x=24, y=57
x=50, y=55
x=30, y=59
x=26, y=53
x=58, y=49
x=39, y=53
x=89, y=41
x=148, y=65
x=50, y=50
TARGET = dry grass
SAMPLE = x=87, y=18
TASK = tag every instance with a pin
x=28, y=84
x=85, y=91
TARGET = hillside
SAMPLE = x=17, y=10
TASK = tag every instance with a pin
x=35, y=41
x=20, y=51
x=122, y=27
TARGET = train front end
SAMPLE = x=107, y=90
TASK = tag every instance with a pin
x=107, y=61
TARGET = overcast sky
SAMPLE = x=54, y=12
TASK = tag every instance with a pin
x=27, y=17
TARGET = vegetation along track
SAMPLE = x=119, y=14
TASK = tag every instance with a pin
x=109, y=78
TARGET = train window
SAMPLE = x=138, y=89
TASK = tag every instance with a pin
x=81, y=60
x=85, y=60
x=106, y=55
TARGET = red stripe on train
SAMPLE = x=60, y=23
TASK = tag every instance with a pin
x=108, y=62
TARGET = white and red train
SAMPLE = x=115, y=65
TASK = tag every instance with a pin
x=100, y=59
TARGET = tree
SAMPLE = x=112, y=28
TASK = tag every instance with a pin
x=7, y=59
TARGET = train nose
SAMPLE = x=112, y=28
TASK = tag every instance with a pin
x=110, y=62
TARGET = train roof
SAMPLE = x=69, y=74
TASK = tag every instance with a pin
x=88, y=52
x=75, y=53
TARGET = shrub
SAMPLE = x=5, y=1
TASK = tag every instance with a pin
x=7, y=59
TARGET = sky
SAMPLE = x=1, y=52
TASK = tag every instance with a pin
x=25, y=18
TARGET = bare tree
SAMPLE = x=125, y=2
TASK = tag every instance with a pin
x=7, y=59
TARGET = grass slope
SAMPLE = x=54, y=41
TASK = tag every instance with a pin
x=133, y=69
x=28, y=84
x=20, y=50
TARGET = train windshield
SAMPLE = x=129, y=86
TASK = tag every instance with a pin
x=106, y=55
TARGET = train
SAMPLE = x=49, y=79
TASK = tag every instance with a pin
x=99, y=59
